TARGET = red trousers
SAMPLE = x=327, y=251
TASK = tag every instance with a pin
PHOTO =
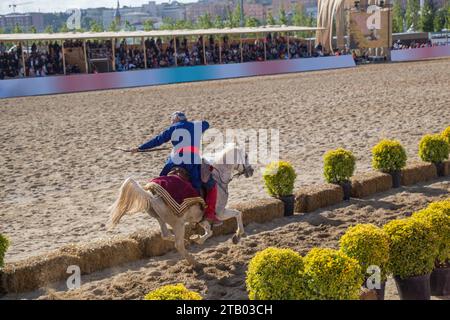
x=211, y=201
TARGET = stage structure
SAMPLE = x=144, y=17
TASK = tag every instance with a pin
x=361, y=25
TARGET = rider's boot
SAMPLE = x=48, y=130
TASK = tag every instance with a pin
x=210, y=211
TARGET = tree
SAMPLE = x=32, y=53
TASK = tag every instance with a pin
x=412, y=14
x=48, y=29
x=282, y=16
x=204, y=21
x=2, y=31
x=251, y=22
x=114, y=27
x=129, y=26
x=64, y=28
x=17, y=29
x=235, y=20
x=439, y=19
x=397, y=17
x=218, y=22
x=95, y=27
x=148, y=25
x=183, y=24
x=426, y=21
x=167, y=24
x=299, y=17
x=448, y=16
x=270, y=19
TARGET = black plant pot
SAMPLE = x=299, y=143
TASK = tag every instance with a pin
x=440, y=282
x=289, y=204
x=414, y=288
x=440, y=168
x=396, y=178
x=347, y=188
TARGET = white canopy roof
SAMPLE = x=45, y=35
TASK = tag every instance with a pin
x=150, y=34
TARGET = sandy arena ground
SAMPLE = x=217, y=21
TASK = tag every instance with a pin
x=225, y=264
x=58, y=174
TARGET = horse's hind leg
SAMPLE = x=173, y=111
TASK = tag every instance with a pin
x=179, y=230
x=166, y=234
x=208, y=233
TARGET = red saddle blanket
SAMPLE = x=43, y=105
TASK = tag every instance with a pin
x=178, y=188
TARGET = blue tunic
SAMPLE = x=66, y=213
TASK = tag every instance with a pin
x=186, y=139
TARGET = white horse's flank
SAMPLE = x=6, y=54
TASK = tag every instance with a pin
x=133, y=198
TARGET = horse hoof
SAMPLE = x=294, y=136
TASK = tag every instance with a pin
x=235, y=239
x=195, y=237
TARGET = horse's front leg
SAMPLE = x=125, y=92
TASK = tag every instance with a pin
x=179, y=230
x=231, y=213
x=208, y=233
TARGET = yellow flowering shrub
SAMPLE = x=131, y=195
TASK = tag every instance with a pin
x=388, y=156
x=4, y=244
x=439, y=222
x=338, y=165
x=433, y=148
x=332, y=275
x=446, y=134
x=369, y=245
x=275, y=274
x=279, y=178
x=413, y=247
x=173, y=292
x=443, y=206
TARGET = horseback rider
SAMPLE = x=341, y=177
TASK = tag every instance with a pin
x=186, y=139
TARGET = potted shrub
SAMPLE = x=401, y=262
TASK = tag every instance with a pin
x=331, y=275
x=279, y=178
x=4, y=244
x=437, y=216
x=413, y=249
x=389, y=156
x=446, y=134
x=173, y=292
x=369, y=245
x=275, y=274
x=434, y=148
x=339, y=166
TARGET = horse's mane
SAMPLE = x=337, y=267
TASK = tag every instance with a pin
x=229, y=147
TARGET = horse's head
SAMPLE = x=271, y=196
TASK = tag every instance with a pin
x=236, y=157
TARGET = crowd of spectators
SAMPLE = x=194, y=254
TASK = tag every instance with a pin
x=399, y=45
x=47, y=60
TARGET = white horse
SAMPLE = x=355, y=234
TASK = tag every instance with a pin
x=133, y=198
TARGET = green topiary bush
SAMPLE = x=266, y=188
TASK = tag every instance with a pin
x=388, y=156
x=339, y=165
x=279, y=178
x=369, y=245
x=433, y=148
x=275, y=274
x=446, y=134
x=332, y=275
x=413, y=247
x=4, y=244
x=173, y=292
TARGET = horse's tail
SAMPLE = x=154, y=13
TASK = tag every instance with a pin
x=132, y=199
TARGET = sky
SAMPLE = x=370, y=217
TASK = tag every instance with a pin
x=63, y=5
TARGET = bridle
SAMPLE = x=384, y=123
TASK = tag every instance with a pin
x=243, y=169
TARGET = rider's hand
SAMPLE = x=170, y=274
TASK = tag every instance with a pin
x=134, y=150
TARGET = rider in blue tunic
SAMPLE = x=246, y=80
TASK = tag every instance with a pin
x=186, y=139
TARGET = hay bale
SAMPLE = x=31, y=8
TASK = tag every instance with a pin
x=418, y=172
x=151, y=244
x=104, y=254
x=366, y=184
x=447, y=168
x=36, y=272
x=311, y=198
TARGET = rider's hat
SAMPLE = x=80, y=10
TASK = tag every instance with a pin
x=178, y=115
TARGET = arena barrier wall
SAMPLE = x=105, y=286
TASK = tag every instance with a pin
x=115, y=80
x=45, y=269
x=420, y=53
